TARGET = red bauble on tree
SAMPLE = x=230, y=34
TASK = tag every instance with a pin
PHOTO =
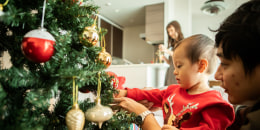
x=38, y=45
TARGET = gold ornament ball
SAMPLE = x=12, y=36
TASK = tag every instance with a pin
x=89, y=35
x=75, y=118
x=105, y=58
x=99, y=113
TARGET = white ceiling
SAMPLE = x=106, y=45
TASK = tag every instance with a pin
x=127, y=13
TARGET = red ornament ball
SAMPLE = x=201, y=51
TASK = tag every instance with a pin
x=84, y=90
x=38, y=45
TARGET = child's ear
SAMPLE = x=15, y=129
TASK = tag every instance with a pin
x=203, y=63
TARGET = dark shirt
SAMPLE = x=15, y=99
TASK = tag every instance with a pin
x=247, y=118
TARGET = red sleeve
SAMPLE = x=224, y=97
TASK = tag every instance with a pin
x=217, y=117
x=153, y=95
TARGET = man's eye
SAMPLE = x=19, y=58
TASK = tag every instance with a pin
x=179, y=66
x=223, y=64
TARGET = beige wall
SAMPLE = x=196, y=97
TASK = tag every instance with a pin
x=135, y=49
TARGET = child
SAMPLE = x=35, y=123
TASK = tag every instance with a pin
x=238, y=40
x=189, y=104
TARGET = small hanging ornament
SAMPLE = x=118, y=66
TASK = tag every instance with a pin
x=90, y=36
x=75, y=118
x=84, y=90
x=37, y=45
x=34, y=12
x=9, y=32
x=2, y=7
x=78, y=1
x=104, y=57
x=99, y=113
x=114, y=82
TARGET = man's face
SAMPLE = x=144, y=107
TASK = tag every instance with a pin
x=240, y=87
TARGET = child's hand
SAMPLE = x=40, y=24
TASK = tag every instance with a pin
x=121, y=93
x=130, y=105
x=169, y=127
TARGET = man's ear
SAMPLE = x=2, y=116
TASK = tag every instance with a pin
x=203, y=64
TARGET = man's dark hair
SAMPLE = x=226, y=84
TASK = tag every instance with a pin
x=239, y=35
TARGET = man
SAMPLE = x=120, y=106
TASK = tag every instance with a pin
x=238, y=43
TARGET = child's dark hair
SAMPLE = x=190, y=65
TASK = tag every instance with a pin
x=239, y=35
x=201, y=47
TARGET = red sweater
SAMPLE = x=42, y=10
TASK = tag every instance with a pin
x=203, y=111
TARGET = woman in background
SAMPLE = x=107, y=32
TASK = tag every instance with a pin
x=174, y=35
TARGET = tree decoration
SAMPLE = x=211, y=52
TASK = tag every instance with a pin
x=114, y=81
x=34, y=12
x=9, y=32
x=2, y=7
x=78, y=1
x=99, y=113
x=90, y=36
x=84, y=90
x=75, y=118
x=37, y=45
x=104, y=57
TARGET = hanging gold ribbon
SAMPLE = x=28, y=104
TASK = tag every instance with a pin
x=101, y=38
x=104, y=41
x=99, y=87
x=2, y=5
x=95, y=20
x=75, y=91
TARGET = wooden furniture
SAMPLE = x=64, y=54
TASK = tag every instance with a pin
x=154, y=23
x=114, y=39
x=214, y=83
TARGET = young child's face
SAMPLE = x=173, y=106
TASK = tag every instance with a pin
x=185, y=72
x=240, y=88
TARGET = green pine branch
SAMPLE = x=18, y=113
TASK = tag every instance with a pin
x=27, y=87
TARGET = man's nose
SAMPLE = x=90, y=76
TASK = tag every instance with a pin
x=218, y=74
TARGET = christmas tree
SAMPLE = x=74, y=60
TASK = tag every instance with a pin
x=69, y=58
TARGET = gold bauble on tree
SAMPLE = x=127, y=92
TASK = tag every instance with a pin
x=75, y=118
x=105, y=57
x=99, y=113
x=89, y=36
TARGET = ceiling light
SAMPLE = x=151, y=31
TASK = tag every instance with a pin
x=213, y=7
x=108, y=4
x=117, y=10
